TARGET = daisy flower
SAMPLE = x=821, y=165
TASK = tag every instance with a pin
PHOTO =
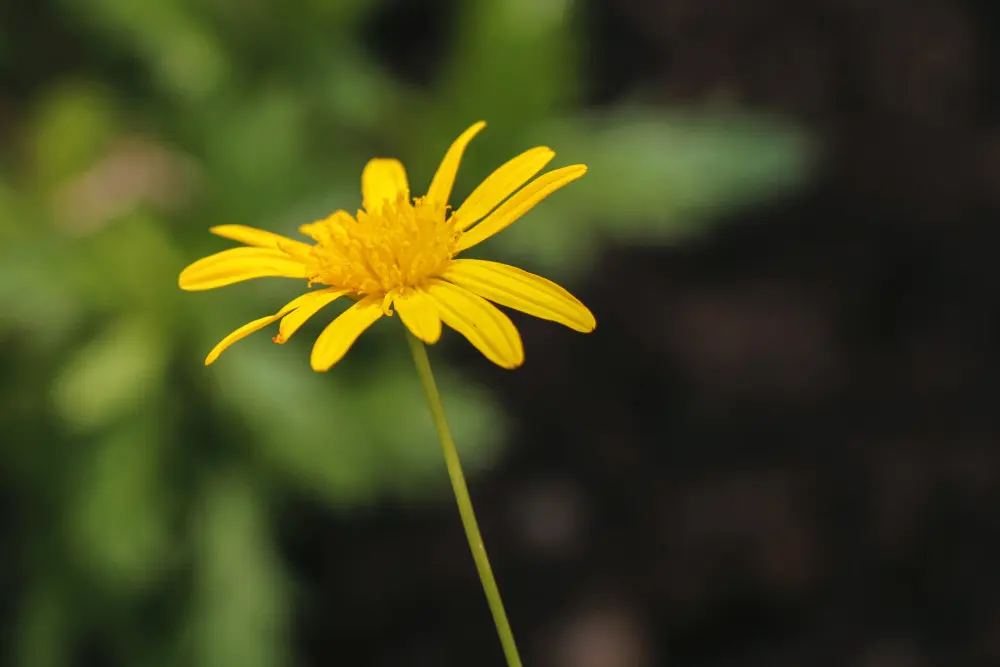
x=399, y=254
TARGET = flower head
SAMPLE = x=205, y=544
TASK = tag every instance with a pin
x=398, y=255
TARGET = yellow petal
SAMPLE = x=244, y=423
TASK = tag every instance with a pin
x=520, y=203
x=500, y=184
x=419, y=314
x=512, y=287
x=256, y=325
x=444, y=178
x=238, y=264
x=319, y=231
x=479, y=321
x=261, y=239
x=340, y=334
x=308, y=305
x=239, y=334
x=384, y=179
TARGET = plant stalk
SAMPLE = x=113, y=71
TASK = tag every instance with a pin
x=464, y=501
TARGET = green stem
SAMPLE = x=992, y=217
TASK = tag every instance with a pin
x=464, y=502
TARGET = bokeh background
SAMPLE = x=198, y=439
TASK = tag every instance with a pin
x=779, y=448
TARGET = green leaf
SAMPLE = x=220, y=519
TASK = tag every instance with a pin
x=178, y=47
x=73, y=123
x=118, y=516
x=680, y=166
x=43, y=635
x=34, y=301
x=654, y=178
x=112, y=376
x=241, y=605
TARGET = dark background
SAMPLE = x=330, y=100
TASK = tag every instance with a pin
x=779, y=448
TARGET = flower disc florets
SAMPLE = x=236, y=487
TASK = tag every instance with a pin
x=398, y=246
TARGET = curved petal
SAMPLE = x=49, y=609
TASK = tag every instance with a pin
x=261, y=239
x=489, y=330
x=320, y=230
x=384, y=179
x=519, y=204
x=512, y=287
x=256, y=325
x=339, y=335
x=444, y=177
x=501, y=184
x=238, y=264
x=309, y=304
x=239, y=334
x=419, y=314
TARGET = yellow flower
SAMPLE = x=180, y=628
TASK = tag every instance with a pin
x=399, y=253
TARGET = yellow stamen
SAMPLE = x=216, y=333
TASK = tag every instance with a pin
x=399, y=246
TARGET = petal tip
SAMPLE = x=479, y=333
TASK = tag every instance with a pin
x=318, y=367
x=428, y=336
x=544, y=154
x=216, y=352
x=431, y=338
x=513, y=365
x=517, y=360
x=184, y=281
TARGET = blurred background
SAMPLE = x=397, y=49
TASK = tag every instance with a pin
x=779, y=448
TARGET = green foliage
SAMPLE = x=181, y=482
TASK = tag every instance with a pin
x=655, y=177
x=72, y=124
x=144, y=478
x=241, y=602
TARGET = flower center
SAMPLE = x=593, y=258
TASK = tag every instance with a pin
x=398, y=246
